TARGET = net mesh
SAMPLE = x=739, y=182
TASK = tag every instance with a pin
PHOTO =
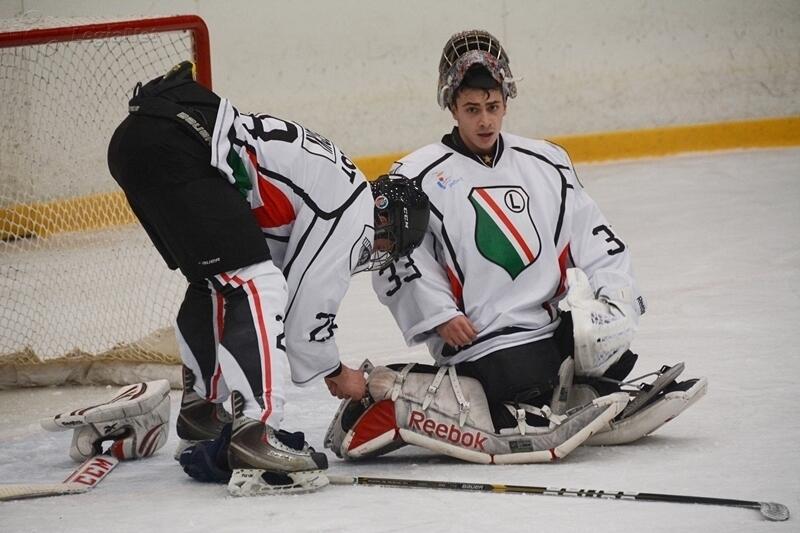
x=80, y=283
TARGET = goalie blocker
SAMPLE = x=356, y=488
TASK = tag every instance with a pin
x=136, y=420
x=448, y=414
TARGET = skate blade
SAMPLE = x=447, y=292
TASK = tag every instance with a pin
x=255, y=482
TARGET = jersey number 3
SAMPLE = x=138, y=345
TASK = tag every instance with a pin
x=619, y=246
x=395, y=278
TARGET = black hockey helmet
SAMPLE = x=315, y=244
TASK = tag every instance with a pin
x=401, y=218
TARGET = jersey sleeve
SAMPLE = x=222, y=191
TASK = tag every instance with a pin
x=318, y=279
x=597, y=249
x=417, y=291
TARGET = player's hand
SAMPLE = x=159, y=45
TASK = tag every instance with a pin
x=350, y=383
x=457, y=332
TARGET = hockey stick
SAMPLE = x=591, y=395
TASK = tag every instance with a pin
x=770, y=510
x=83, y=478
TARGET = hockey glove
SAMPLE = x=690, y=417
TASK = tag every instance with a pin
x=603, y=326
x=207, y=460
x=136, y=420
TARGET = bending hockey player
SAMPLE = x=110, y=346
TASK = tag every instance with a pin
x=267, y=220
x=512, y=232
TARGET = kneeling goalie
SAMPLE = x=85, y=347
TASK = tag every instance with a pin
x=522, y=291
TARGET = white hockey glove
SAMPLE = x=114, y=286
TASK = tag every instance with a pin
x=603, y=326
x=136, y=420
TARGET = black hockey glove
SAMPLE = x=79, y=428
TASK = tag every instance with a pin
x=207, y=460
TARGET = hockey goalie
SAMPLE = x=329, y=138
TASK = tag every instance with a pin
x=522, y=291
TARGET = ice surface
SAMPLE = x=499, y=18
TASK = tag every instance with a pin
x=717, y=252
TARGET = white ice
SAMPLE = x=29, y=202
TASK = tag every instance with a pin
x=717, y=252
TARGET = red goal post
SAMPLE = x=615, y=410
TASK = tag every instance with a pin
x=84, y=297
x=103, y=30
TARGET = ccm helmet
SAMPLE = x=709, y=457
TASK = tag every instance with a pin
x=401, y=218
x=467, y=49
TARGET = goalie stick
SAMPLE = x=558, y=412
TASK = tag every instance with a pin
x=769, y=510
x=83, y=478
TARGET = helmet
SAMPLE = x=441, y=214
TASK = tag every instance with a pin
x=401, y=218
x=462, y=51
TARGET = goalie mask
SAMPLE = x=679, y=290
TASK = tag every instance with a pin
x=466, y=49
x=401, y=219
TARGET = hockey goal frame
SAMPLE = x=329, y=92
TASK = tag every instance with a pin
x=79, y=32
x=31, y=220
x=42, y=219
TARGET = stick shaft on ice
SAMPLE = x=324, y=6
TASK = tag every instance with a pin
x=770, y=510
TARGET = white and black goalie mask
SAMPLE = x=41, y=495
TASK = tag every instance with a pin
x=466, y=49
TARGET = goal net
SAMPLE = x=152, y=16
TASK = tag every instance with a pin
x=84, y=296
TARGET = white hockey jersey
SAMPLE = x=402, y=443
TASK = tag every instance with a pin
x=315, y=209
x=500, y=240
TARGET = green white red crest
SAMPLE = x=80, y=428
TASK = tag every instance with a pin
x=504, y=230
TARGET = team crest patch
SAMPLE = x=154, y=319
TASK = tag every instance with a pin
x=504, y=230
x=361, y=251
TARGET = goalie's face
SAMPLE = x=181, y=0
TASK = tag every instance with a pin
x=479, y=114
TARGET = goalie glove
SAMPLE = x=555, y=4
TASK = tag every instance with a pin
x=603, y=325
x=136, y=420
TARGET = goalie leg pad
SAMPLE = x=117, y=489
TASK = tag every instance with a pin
x=652, y=405
x=368, y=430
x=645, y=421
x=450, y=415
x=374, y=433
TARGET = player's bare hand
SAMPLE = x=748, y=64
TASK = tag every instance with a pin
x=458, y=331
x=350, y=383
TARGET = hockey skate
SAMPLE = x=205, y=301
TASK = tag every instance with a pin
x=266, y=461
x=652, y=404
x=198, y=419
